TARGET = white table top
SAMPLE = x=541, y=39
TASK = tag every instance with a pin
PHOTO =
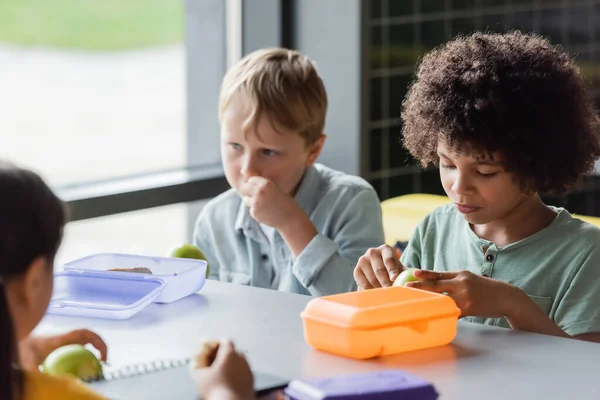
x=481, y=363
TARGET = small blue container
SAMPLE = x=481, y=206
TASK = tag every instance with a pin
x=88, y=289
x=382, y=385
x=99, y=294
x=182, y=276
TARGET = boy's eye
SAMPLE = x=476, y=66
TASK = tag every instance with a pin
x=445, y=166
x=486, y=175
x=269, y=153
x=235, y=146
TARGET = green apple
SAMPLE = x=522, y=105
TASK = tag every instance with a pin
x=405, y=277
x=73, y=359
x=187, y=250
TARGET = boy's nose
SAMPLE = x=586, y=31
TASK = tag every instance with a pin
x=249, y=168
x=461, y=186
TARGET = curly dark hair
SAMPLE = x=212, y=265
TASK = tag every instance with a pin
x=513, y=93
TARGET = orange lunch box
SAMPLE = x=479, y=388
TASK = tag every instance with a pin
x=379, y=322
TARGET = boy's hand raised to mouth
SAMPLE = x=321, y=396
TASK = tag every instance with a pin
x=268, y=204
x=271, y=206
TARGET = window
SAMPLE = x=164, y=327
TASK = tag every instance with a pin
x=114, y=104
x=148, y=232
x=401, y=31
x=92, y=89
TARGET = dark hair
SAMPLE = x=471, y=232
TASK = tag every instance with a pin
x=31, y=223
x=513, y=93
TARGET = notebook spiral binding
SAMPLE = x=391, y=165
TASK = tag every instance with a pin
x=139, y=369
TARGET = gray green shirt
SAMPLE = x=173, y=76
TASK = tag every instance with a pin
x=558, y=267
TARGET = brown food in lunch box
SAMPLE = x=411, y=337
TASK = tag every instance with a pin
x=140, y=270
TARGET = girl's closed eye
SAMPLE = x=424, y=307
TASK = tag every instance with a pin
x=447, y=166
x=486, y=174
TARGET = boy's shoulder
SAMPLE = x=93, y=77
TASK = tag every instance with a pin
x=445, y=211
x=333, y=179
x=222, y=207
x=228, y=198
x=566, y=227
x=569, y=225
x=322, y=185
x=443, y=215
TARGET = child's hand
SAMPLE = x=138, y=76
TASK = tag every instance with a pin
x=267, y=203
x=228, y=378
x=378, y=267
x=33, y=350
x=475, y=295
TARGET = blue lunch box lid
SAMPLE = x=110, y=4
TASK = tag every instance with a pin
x=382, y=385
x=102, y=294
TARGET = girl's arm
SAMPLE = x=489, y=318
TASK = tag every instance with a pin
x=33, y=350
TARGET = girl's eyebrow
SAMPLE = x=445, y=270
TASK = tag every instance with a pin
x=490, y=163
x=487, y=161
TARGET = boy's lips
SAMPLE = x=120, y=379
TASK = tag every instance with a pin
x=466, y=209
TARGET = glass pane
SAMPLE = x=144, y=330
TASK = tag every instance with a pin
x=399, y=156
x=398, y=88
x=402, y=46
x=401, y=185
x=463, y=4
x=375, y=8
x=551, y=22
x=398, y=8
x=595, y=15
x=522, y=2
x=494, y=23
x=430, y=6
x=494, y=3
x=375, y=138
x=590, y=70
x=430, y=182
x=375, y=99
x=378, y=186
x=147, y=232
x=432, y=34
x=376, y=49
x=578, y=28
x=92, y=89
x=463, y=26
x=522, y=21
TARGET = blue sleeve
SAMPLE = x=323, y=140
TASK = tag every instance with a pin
x=326, y=265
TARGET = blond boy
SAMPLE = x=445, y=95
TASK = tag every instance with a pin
x=287, y=223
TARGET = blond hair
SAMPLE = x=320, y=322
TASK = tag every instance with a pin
x=284, y=85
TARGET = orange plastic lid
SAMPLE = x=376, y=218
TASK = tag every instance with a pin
x=376, y=308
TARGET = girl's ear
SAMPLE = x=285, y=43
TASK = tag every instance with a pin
x=29, y=295
x=36, y=285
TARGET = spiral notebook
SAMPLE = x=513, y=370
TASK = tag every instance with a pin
x=168, y=379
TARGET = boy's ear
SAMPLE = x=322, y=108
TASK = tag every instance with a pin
x=314, y=150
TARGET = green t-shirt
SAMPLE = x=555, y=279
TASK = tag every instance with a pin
x=558, y=267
